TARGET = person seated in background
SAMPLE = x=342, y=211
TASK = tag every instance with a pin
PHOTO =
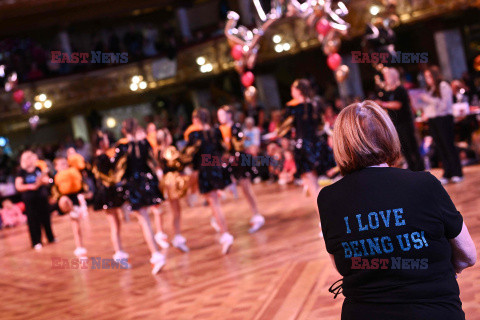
x=287, y=175
x=274, y=151
x=11, y=214
x=276, y=121
x=252, y=137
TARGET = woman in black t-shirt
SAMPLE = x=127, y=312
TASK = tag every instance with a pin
x=396, y=100
x=30, y=183
x=394, y=235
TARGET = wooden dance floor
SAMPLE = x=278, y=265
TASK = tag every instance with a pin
x=281, y=272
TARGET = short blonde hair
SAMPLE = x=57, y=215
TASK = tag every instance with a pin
x=364, y=136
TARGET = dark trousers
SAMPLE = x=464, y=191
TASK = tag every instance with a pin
x=410, y=150
x=38, y=216
x=442, y=131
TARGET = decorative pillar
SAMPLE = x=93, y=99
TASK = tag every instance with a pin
x=268, y=92
x=182, y=17
x=451, y=53
x=352, y=86
x=80, y=128
x=246, y=13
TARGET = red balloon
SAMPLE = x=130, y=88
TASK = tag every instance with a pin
x=323, y=27
x=334, y=61
x=247, y=79
x=18, y=96
x=237, y=52
x=21, y=206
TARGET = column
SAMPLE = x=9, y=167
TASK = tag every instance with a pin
x=246, y=14
x=451, y=53
x=80, y=127
x=268, y=92
x=182, y=17
x=352, y=86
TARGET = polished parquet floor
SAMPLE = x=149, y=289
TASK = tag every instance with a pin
x=281, y=272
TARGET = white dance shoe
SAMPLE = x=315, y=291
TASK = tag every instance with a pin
x=80, y=252
x=120, y=256
x=226, y=240
x=180, y=243
x=214, y=224
x=158, y=261
x=161, y=239
x=257, y=222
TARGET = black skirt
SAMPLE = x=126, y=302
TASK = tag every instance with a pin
x=307, y=155
x=239, y=169
x=212, y=178
x=143, y=190
x=108, y=197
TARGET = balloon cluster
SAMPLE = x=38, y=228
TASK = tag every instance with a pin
x=11, y=82
x=379, y=35
x=326, y=16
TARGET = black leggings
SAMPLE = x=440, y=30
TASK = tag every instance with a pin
x=38, y=216
x=442, y=131
x=410, y=150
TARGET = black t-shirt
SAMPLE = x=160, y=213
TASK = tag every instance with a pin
x=31, y=178
x=404, y=114
x=388, y=231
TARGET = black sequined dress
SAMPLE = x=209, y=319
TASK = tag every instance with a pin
x=142, y=185
x=212, y=171
x=307, y=152
x=240, y=164
x=109, y=187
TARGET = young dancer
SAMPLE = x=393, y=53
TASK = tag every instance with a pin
x=31, y=184
x=109, y=189
x=233, y=137
x=303, y=117
x=67, y=188
x=174, y=185
x=141, y=184
x=211, y=176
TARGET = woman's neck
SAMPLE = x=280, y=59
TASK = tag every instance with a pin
x=381, y=165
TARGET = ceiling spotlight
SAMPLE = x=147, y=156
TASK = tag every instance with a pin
x=111, y=122
x=42, y=97
x=136, y=79
x=47, y=104
x=142, y=85
x=286, y=46
x=37, y=105
x=277, y=38
x=201, y=61
x=374, y=10
x=206, y=68
x=279, y=48
x=133, y=87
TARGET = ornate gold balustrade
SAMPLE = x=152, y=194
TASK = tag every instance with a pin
x=114, y=82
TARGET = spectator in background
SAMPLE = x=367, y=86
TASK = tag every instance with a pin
x=84, y=149
x=252, y=137
x=394, y=97
x=276, y=120
x=287, y=175
x=11, y=214
x=439, y=112
x=255, y=109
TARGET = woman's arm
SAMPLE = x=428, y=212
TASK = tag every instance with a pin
x=393, y=105
x=464, y=254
